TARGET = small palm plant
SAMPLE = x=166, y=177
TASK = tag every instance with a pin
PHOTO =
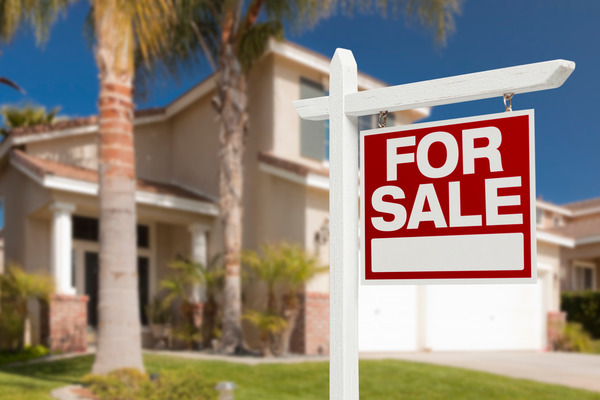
x=300, y=268
x=186, y=276
x=269, y=325
x=16, y=288
x=289, y=267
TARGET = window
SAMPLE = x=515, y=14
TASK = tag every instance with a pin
x=557, y=220
x=314, y=135
x=584, y=276
x=1, y=213
x=143, y=268
x=143, y=237
x=539, y=214
x=85, y=228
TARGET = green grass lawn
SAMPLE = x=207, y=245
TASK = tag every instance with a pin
x=386, y=380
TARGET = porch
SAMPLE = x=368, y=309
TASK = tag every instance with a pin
x=61, y=238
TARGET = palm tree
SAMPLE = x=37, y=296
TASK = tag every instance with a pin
x=28, y=115
x=121, y=27
x=230, y=35
x=126, y=32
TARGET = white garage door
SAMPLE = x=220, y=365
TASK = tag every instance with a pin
x=485, y=317
x=453, y=317
x=387, y=318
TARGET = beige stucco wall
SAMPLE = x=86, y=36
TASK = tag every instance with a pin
x=317, y=216
x=548, y=257
x=153, y=151
x=194, y=144
x=80, y=150
x=22, y=197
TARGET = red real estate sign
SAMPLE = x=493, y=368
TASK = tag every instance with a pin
x=449, y=201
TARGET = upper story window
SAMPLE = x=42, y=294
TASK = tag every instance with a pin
x=1, y=213
x=557, y=220
x=539, y=215
x=314, y=135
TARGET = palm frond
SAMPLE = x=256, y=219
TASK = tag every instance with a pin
x=433, y=14
x=192, y=41
x=254, y=42
x=12, y=84
x=38, y=14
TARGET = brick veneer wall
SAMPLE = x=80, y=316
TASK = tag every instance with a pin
x=311, y=335
x=66, y=322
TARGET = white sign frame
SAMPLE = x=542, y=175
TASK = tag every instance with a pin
x=532, y=202
x=342, y=107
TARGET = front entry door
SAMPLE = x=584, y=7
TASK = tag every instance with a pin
x=91, y=286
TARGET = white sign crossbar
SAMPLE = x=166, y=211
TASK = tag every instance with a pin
x=455, y=89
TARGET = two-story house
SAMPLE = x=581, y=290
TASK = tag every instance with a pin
x=48, y=185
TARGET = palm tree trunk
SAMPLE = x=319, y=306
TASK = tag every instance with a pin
x=291, y=310
x=231, y=104
x=119, y=339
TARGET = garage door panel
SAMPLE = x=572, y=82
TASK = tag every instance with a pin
x=478, y=317
x=387, y=318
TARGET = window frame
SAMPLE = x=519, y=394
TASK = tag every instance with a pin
x=579, y=285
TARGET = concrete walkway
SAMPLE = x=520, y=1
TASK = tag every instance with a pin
x=580, y=371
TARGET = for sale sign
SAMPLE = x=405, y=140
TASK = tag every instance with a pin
x=450, y=201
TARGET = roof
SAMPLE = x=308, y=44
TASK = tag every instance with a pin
x=77, y=123
x=288, y=50
x=297, y=167
x=43, y=168
x=578, y=228
x=583, y=204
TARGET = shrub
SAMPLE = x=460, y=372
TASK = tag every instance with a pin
x=28, y=353
x=131, y=384
x=575, y=338
x=583, y=308
x=17, y=287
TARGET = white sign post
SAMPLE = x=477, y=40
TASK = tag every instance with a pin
x=342, y=107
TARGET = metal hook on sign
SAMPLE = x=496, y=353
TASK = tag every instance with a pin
x=508, y=96
x=382, y=116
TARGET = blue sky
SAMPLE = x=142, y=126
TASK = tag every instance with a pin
x=489, y=35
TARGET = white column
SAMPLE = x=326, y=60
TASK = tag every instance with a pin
x=61, y=248
x=199, y=251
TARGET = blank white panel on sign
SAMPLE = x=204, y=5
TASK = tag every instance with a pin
x=498, y=252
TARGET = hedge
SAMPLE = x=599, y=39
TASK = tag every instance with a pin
x=584, y=308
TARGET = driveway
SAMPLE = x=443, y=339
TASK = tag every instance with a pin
x=569, y=369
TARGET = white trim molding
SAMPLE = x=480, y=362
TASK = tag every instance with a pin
x=91, y=188
x=312, y=180
x=543, y=205
x=38, y=137
x=555, y=239
x=587, y=240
